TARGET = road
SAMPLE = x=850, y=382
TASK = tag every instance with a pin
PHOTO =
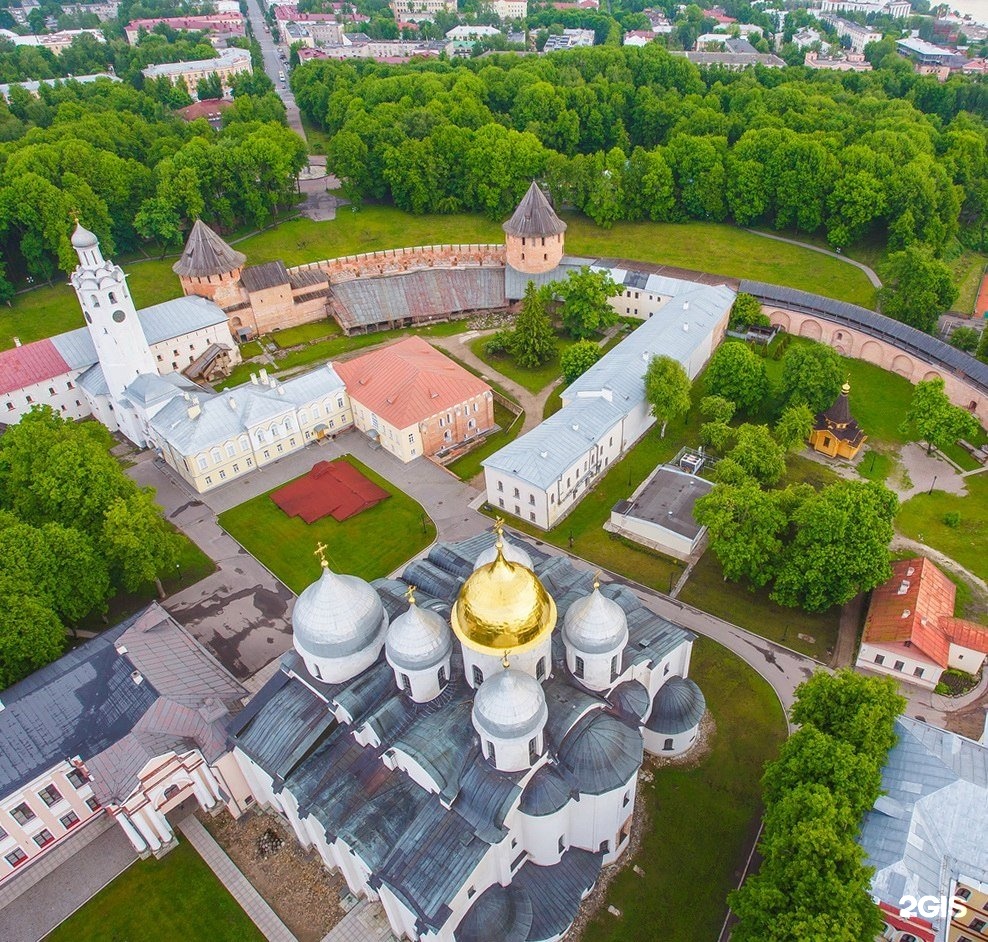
x=273, y=65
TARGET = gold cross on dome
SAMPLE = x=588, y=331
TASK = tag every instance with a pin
x=410, y=594
x=505, y=663
x=596, y=579
x=321, y=553
x=499, y=527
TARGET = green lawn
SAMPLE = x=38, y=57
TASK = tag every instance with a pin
x=534, y=380
x=173, y=899
x=468, y=466
x=968, y=268
x=554, y=403
x=921, y=518
x=317, y=138
x=370, y=545
x=876, y=465
x=305, y=333
x=704, y=819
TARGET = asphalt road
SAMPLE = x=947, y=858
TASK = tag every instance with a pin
x=273, y=65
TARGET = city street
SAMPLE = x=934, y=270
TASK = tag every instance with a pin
x=273, y=65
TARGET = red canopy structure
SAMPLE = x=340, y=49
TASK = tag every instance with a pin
x=336, y=488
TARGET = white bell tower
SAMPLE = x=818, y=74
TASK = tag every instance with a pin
x=122, y=348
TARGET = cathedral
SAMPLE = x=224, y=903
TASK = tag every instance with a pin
x=463, y=744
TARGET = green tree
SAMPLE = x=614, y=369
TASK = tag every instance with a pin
x=667, y=389
x=745, y=526
x=533, y=341
x=746, y=311
x=31, y=636
x=578, y=358
x=140, y=546
x=963, y=338
x=935, y=419
x=736, y=373
x=586, y=294
x=717, y=409
x=812, y=373
x=917, y=287
x=982, y=351
x=793, y=428
x=840, y=548
x=758, y=453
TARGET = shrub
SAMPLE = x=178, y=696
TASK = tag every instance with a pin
x=952, y=519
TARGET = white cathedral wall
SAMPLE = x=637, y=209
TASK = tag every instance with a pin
x=541, y=834
x=401, y=760
x=596, y=667
x=401, y=918
x=526, y=661
x=662, y=744
x=260, y=783
x=600, y=818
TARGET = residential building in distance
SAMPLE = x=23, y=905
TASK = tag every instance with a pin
x=414, y=401
x=323, y=28
x=911, y=632
x=219, y=26
x=924, y=836
x=734, y=60
x=472, y=32
x=209, y=108
x=228, y=63
x=929, y=58
x=120, y=730
x=55, y=42
x=33, y=86
x=858, y=36
x=848, y=62
x=639, y=37
x=894, y=8
x=510, y=9
x=570, y=39
x=418, y=11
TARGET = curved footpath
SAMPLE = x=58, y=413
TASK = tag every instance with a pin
x=872, y=277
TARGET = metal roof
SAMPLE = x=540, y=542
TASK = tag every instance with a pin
x=668, y=500
x=93, y=381
x=679, y=705
x=900, y=335
x=534, y=216
x=549, y=790
x=262, y=277
x=178, y=317
x=205, y=254
x=30, y=363
x=602, y=752
x=76, y=347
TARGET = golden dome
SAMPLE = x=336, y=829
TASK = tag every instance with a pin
x=503, y=608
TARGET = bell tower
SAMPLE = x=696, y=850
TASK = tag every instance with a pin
x=121, y=347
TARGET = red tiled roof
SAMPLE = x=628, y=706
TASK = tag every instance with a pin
x=407, y=382
x=203, y=108
x=916, y=606
x=31, y=363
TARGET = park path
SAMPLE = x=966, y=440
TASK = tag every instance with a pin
x=872, y=277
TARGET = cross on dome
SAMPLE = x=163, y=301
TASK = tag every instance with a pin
x=320, y=551
x=410, y=594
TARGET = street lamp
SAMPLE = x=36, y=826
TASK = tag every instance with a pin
x=930, y=491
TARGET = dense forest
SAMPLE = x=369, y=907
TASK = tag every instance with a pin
x=627, y=133
x=132, y=170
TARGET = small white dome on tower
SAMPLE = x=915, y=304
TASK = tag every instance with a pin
x=337, y=616
x=511, y=552
x=509, y=705
x=82, y=238
x=418, y=639
x=595, y=624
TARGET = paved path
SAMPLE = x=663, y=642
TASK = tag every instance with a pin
x=847, y=634
x=366, y=922
x=872, y=277
x=252, y=903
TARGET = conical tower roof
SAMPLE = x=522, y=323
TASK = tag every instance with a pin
x=534, y=217
x=206, y=254
x=839, y=413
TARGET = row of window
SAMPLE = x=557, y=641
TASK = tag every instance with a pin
x=50, y=795
x=899, y=665
x=44, y=837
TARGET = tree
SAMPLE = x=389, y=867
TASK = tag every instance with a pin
x=982, y=351
x=812, y=373
x=140, y=546
x=667, y=389
x=793, y=427
x=533, y=341
x=717, y=409
x=586, y=309
x=963, y=338
x=917, y=288
x=745, y=526
x=746, y=311
x=736, y=373
x=578, y=358
x=758, y=454
x=935, y=419
x=30, y=636
x=840, y=547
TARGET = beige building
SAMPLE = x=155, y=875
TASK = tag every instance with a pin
x=228, y=63
x=416, y=11
x=510, y=9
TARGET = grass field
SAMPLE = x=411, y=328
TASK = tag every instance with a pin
x=370, y=545
x=174, y=899
x=967, y=269
x=534, y=380
x=703, y=819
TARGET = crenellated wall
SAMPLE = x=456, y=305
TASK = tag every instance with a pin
x=401, y=261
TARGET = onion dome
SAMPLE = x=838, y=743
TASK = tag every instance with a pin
x=679, y=705
x=631, y=700
x=82, y=238
x=534, y=216
x=602, y=752
x=512, y=553
x=503, y=607
x=336, y=616
x=510, y=705
x=595, y=624
x=417, y=639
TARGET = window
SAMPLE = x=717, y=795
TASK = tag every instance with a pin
x=516, y=863
x=16, y=857
x=578, y=669
x=962, y=892
x=500, y=484
x=93, y=803
x=315, y=411
x=222, y=475
x=215, y=455
x=209, y=480
x=977, y=924
x=517, y=511
x=44, y=837
x=281, y=448
x=826, y=441
x=112, y=297
x=50, y=795
x=22, y=813
x=236, y=468
x=339, y=403
x=667, y=745
x=626, y=799
x=29, y=398
x=918, y=672
x=202, y=462
x=76, y=778
x=231, y=449
x=879, y=658
x=517, y=493
x=491, y=754
x=3, y=835
x=500, y=502
x=442, y=422
x=561, y=845
x=10, y=407
x=69, y=820
x=614, y=667
x=540, y=669
x=665, y=670
x=478, y=676
x=442, y=675
x=605, y=847
x=531, y=516
x=411, y=438
x=533, y=751
x=51, y=390
x=406, y=684
x=531, y=499
x=899, y=665
x=471, y=892
x=267, y=453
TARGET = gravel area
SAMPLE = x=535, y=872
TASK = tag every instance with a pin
x=292, y=881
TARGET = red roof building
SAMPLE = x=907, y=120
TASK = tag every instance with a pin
x=209, y=108
x=415, y=401
x=29, y=364
x=911, y=630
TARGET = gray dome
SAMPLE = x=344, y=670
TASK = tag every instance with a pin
x=499, y=914
x=83, y=239
x=595, y=624
x=679, y=706
x=509, y=705
x=602, y=752
x=418, y=639
x=546, y=793
x=512, y=553
x=337, y=616
x=631, y=700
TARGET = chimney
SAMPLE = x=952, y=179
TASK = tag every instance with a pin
x=281, y=390
x=253, y=378
x=686, y=305
x=120, y=648
x=686, y=327
x=233, y=403
x=137, y=677
x=194, y=409
x=264, y=376
x=17, y=341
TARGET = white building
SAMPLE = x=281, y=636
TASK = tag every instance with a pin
x=468, y=751
x=510, y=9
x=894, y=8
x=122, y=729
x=56, y=42
x=570, y=39
x=32, y=87
x=472, y=32
x=858, y=36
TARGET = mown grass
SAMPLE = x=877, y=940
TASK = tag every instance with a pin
x=534, y=380
x=170, y=900
x=305, y=333
x=703, y=819
x=967, y=270
x=370, y=545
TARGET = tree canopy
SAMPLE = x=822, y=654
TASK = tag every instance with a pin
x=935, y=419
x=586, y=308
x=667, y=390
x=578, y=358
x=812, y=374
x=735, y=372
x=533, y=341
x=918, y=287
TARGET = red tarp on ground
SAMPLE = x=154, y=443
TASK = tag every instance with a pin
x=336, y=488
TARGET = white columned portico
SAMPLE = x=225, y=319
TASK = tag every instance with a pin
x=209, y=780
x=133, y=835
x=205, y=798
x=158, y=822
x=148, y=832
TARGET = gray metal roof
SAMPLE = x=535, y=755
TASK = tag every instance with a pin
x=668, y=500
x=337, y=615
x=205, y=254
x=534, y=216
x=93, y=381
x=595, y=624
x=76, y=348
x=500, y=914
x=151, y=388
x=485, y=797
x=440, y=742
x=679, y=705
x=262, y=277
x=549, y=790
x=602, y=752
x=929, y=824
x=177, y=317
x=631, y=700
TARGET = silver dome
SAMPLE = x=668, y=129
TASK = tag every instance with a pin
x=512, y=553
x=418, y=639
x=595, y=624
x=337, y=616
x=82, y=238
x=509, y=705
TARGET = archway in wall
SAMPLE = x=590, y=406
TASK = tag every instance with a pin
x=903, y=365
x=780, y=319
x=873, y=352
x=842, y=342
x=811, y=328
x=932, y=374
